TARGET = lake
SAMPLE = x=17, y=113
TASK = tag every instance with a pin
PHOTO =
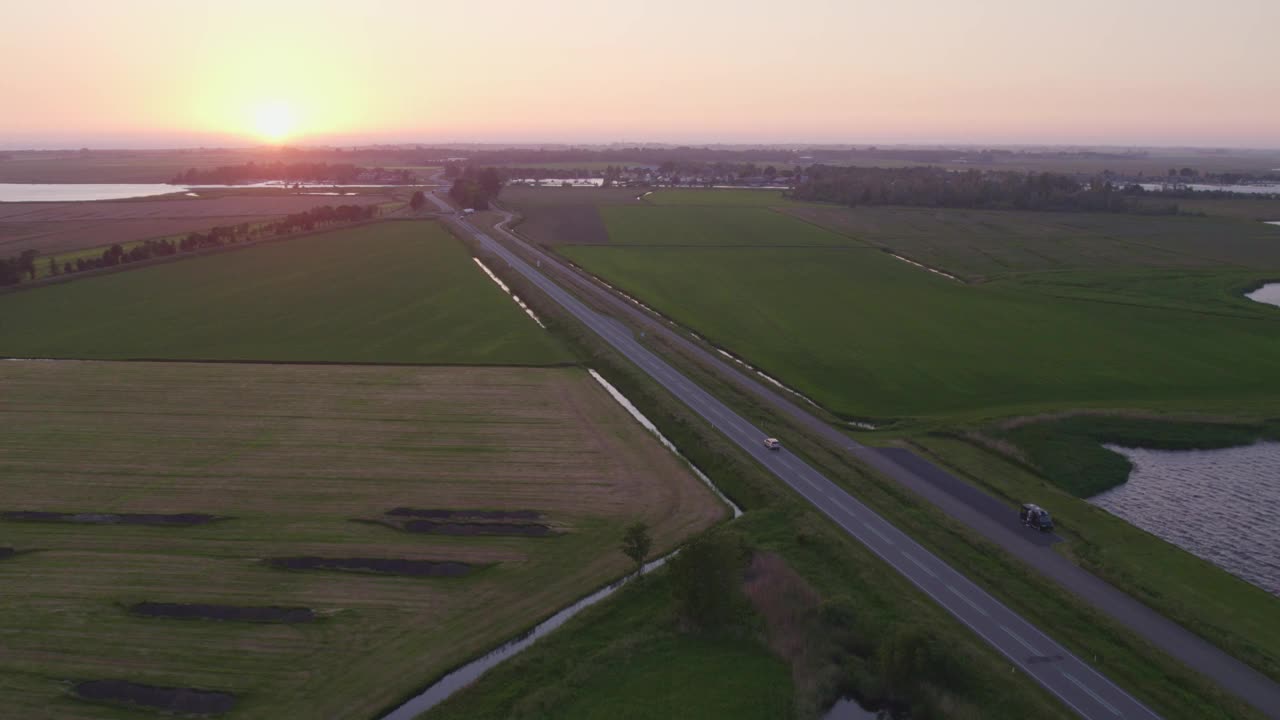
x=30, y=192
x=1217, y=504
x=1269, y=294
x=1261, y=189
x=83, y=192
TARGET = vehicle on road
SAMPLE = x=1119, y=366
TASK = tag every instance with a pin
x=1034, y=516
x=772, y=444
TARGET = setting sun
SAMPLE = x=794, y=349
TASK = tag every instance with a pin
x=274, y=121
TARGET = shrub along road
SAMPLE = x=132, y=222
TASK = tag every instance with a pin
x=1080, y=687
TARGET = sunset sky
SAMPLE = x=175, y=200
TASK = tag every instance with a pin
x=154, y=73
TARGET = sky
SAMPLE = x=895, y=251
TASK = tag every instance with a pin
x=149, y=73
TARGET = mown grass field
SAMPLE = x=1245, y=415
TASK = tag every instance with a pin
x=290, y=456
x=388, y=292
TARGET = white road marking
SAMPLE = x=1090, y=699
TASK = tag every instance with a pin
x=918, y=564
x=1021, y=642
x=1091, y=693
x=877, y=533
x=967, y=601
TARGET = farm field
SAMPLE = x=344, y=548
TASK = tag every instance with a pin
x=288, y=457
x=985, y=244
x=870, y=336
x=403, y=292
x=721, y=196
x=57, y=227
x=549, y=215
x=714, y=226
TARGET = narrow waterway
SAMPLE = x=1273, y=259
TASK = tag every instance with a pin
x=1217, y=504
x=454, y=681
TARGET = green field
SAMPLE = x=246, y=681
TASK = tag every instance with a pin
x=290, y=456
x=389, y=292
x=986, y=244
x=869, y=336
x=720, y=197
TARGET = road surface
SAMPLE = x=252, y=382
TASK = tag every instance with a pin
x=1064, y=675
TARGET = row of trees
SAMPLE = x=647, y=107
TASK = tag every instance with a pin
x=13, y=268
x=341, y=173
x=935, y=187
x=316, y=218
x=474, y=187
x=789, y=155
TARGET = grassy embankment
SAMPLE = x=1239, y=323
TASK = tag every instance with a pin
x=389, y=292
x=1223, y=609
x=837, y=565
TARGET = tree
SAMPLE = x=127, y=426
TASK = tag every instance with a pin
x=490, y=183
x=53, y=267
x=636, y=543
x=706, y=581
x=417, y=201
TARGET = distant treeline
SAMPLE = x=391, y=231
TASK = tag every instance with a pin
x=342, y=174
x=935, y=187
x=221, y=236
x=473, y=187
x=655, y=156
x=667, y=169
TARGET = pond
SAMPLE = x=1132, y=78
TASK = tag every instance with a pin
x=1269, y=294
x=1217, y=504
x=558, y=182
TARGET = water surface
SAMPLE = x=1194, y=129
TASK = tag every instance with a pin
x=1258, y=189
x=84, y=192
x=77, y=192
x=1269, y=294
x=559, y=182
x=1217, y=504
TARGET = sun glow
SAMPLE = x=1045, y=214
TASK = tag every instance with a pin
x=274, y=121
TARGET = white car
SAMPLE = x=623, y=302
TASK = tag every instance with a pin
x=772, y=444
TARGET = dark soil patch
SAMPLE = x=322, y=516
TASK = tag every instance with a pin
x=437, y=514
x=432, y=527
x=183, y=701
x=181, y=519
x=387, y=566
x=200, y=611
x=564, y=224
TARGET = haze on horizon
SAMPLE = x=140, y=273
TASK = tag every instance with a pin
x=144, y=73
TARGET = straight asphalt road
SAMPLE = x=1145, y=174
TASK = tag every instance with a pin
x=990, y=517
x=1075, y=683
